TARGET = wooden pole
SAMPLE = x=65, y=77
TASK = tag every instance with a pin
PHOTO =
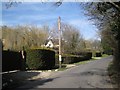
x=59, y=29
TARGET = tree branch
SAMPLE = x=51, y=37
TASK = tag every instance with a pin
x=115, y=5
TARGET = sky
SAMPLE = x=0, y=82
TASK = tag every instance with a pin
x=37, y=13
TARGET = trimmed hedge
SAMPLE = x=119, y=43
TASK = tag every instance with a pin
x=98, y=54
x=71, y=59
x=109, y=52
x=40, y=59
x=11, y=60
x=68, y=59
x=86, y=55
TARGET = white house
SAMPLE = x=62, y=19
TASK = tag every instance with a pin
x=49, y=44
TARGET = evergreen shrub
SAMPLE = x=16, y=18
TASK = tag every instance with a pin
x=40, y=59
x=11, y=60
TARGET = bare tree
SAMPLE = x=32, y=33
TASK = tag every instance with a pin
x=27, y=36
x=72, y=38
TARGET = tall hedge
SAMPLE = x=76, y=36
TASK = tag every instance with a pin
x=40, y=59
x=11, y=60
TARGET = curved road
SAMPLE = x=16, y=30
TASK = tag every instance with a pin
x=90, y=75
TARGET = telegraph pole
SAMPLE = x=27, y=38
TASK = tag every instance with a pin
x=59, y=29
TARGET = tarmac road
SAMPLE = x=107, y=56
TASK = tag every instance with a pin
x=90, y=75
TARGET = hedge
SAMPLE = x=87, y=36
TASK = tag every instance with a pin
x=87, y=55
x=40, y=59
x=109, y=52
x=98, y=54
x=68, y=59
x=71, y=59
x=11, y=60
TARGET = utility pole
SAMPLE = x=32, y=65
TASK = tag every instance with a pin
x=59, y=29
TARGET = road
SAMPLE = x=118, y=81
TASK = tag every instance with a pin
x=90, y=75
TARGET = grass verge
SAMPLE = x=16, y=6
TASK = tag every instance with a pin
x=114, y=74
x=105, y=55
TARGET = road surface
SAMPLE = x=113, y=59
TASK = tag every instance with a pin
x=90, y=75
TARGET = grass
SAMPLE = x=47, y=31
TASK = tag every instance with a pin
x=62, y=69
x=97, y=58
x=82, y=62
x=105, y=55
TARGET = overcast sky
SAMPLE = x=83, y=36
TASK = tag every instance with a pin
x=47, y=14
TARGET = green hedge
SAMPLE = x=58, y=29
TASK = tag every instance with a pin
x=11, y=60
x=109, y=52
x=98, y=54
x=87, y=55
x=40, y=59
x=71, y=59
x=68, y=59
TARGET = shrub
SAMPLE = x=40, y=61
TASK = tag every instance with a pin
x=11, y=60
x=74, y=57
x=68, y=59
x=109, y=52
x=40, y=59
x=98, y=54
x=88, y=55
x=85, y=55
x=71, y=59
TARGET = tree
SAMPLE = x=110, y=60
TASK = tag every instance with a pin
x=108, y=41
x=28, y=36
x=72, y=38
x=106, y=16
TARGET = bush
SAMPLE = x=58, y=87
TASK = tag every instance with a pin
x=85, y=55
x=40, y=59
x=98, y=54
x=109, y=52
x=71, y=59
x=74, y=57
x=68, y=59
x=11, y=60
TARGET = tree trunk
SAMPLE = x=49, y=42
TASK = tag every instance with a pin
x=117, y=56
